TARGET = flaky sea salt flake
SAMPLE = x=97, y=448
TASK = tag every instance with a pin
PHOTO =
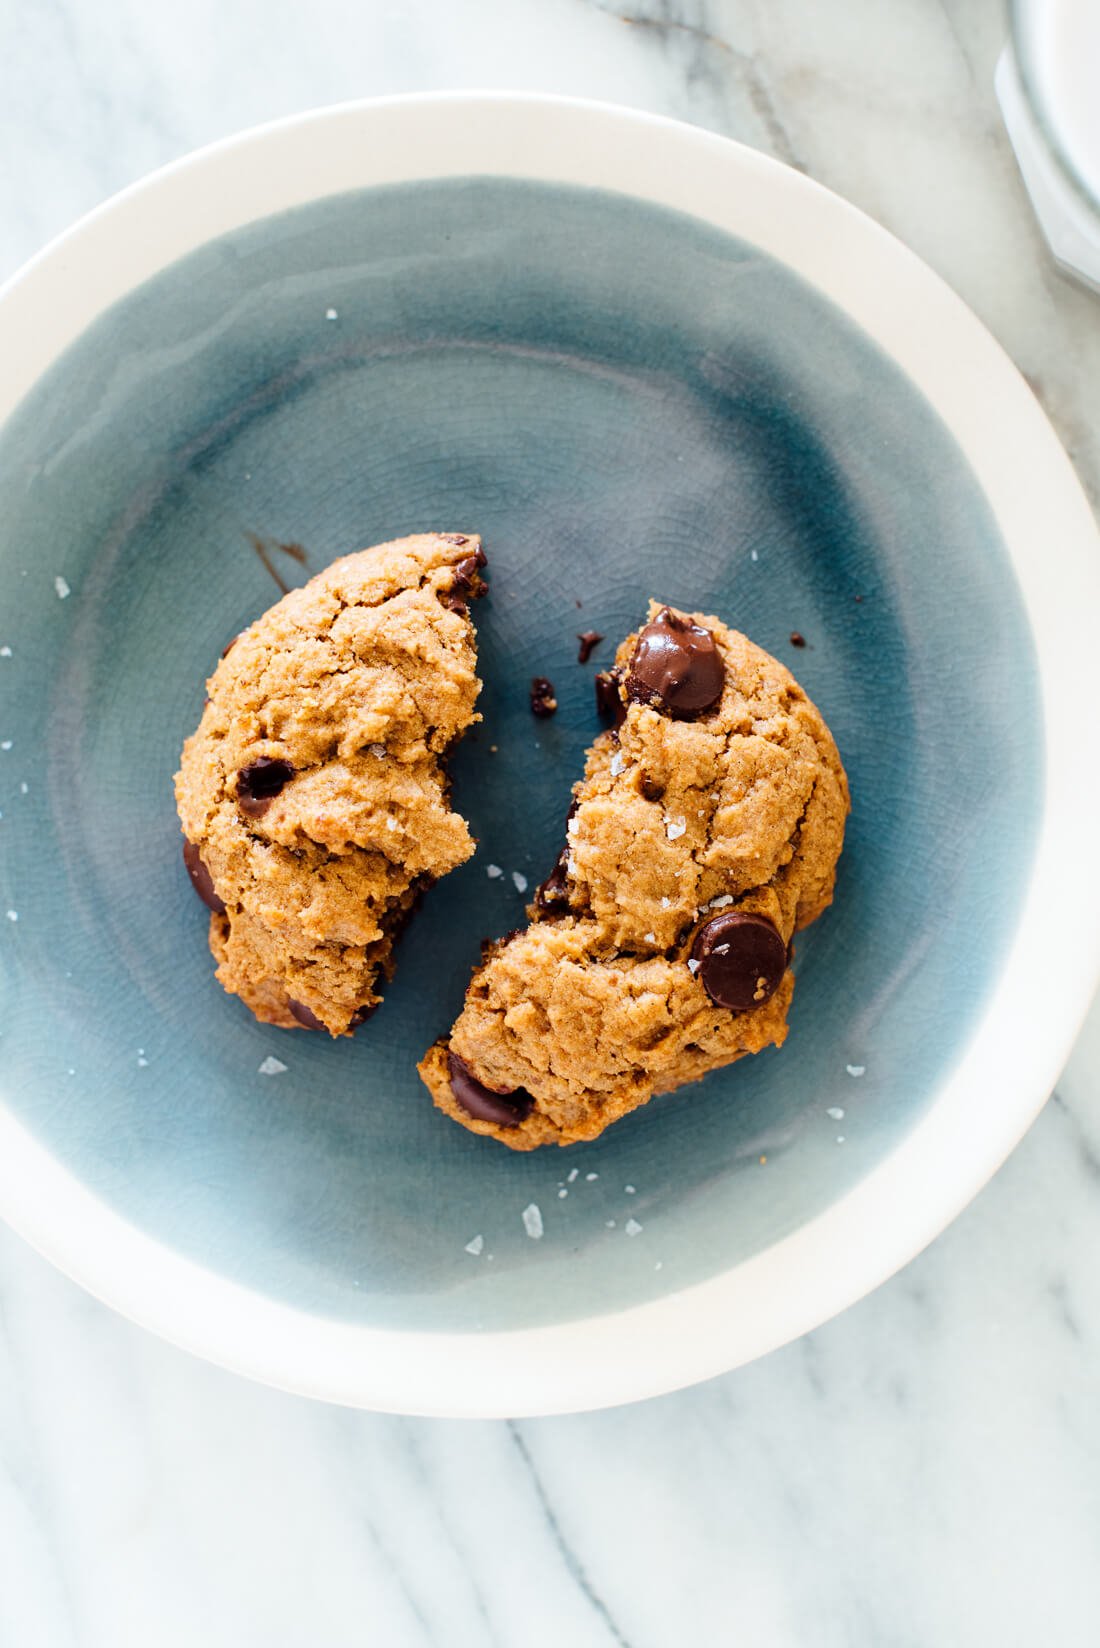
x=332, y=314
x=272, y=1066
x=475, y=1245
x=62, y=588
x=666, y=904
x=591, y=1177
x=520, y=881
x=632, y=1227
x=693, y=966
x=532, y=1221
x=629, y=1190
x=720, y=902
x=835, y=1113
x=651, y=938
x=572, y=1174
x=13, y=915
x=855, y=1069
x=493, y=871
x=5, y=744
x=5, y=652
x=616, y=764
x=675, y=828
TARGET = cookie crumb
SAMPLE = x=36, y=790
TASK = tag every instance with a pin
x=520, y=881
x=493, y=871
x=855, y=1069
x=532, y=1221
x=632, y=1227
x=475, y=1245
x=675, y=828
x=62, y=588
x=272, y=1066
x=835, y=1112
x=763, y=1161
x=543, y=699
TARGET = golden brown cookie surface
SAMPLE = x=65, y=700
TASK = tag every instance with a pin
x=313, y=791
x=704, y=833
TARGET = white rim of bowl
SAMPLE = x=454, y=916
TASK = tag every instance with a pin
x=1000, y=1081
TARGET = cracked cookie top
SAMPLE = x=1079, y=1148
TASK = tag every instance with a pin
x=704, y=833
x=313, y=796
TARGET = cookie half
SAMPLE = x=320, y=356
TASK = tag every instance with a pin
x=313, y=796
x=704, y=833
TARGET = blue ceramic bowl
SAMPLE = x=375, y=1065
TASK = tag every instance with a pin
x=640, y=362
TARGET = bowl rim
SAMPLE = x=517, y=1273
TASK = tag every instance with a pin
x=998, y=1083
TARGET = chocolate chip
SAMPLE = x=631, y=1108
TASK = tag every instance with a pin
x=650, y=787
x=260, y=783
x=543, y=702
x=362, y=1014
x=608, y=699
x=201, y=879
x=306, y=1017
x=742, y=959
x=466, y=582
x=589, y=640
x=486, y=1104
x=455, y=538
x=552, y=897
x=454, y=603
x=797, y=638
x=676, y=666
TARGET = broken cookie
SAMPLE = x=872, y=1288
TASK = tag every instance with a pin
x=313, y=796
x=704, y=833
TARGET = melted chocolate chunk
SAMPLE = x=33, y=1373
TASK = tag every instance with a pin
x=201, y=879
x=543, y=701
x=466, y=583
x=486, y=1104
x=362, y=1014
x=742, y=959
x=589, y=640
x=306, y=1017
x=676, y=666
x=259, y=784
x=608, y=699
x=552, y=897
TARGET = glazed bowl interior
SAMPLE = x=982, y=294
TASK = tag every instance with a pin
x=626, y=400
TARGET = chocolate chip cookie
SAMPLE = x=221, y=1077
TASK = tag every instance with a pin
x=313, y=795
x=704, y=833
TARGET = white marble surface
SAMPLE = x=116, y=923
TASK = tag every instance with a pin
x=923, y=1472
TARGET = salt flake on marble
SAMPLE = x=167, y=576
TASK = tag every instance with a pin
x=632, y=1227
x=840, y=1138
x=610, y=1224
x=520, y=881
x=590, y=1177
x=62, y=588
x=532, y=1221
x=13, y=915
x=5, y=652
x=475, y=1245
x=272, y=1066
x=332, y=314
x=571, y=1177
x=629, y=1190
x=855, y=1069
x=6, y=744
x=493, y=871
x=562, y=1194
x=675, y=828
x=835, y=1113
x=754, y=555
x=24, y=788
